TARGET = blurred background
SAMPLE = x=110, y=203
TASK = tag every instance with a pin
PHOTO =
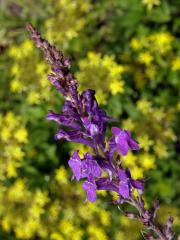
x=129, y=52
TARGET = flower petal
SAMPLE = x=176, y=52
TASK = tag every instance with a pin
x=75, y=165
x=90, y=188
x=138, y=184
x=124, y=190
x=122, y=148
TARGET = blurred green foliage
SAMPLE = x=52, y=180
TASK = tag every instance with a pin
x=129, y=52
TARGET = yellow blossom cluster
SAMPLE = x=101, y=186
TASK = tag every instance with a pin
x=101, y=73
x=149, y=54
x=13, y=137
x=29, y=73
x=152, y=122
x=176, y=64
x=25, y=206
x=68, y=20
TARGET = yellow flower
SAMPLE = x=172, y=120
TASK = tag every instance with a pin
x=10, y=119
x=135, y=44
x=27, y=47
x=130, y=159
x=11, y=169
x=77, y=234
x=176, y=64
x=54, y=210
x=129, y=124
x=41, y=68
x=147, y=161
x=14, y=52
x=95, y=232
x=17, y=152
x=56, y=236
x=115, y=196
x=17, y=190
x=33, y=97
x=5, y=134
x=66, y=227
x=44, y=83
x=125, y=221
x=16, y=86
x=35, y=211
x=151, y=3
x=144, y=106
x=102, y=193
x=151, y=71
x=41, y=198
x=145, y=142
x=61, y=175
x=21, y=135
x=5, y=223
x=145, y=58
x=101, y=96
x=105, y=217
x=137, y=172
x=101, y=73
x=161, y=42
x=160, y=149
x=15, y=69
x=159, y=114
x=116, y=87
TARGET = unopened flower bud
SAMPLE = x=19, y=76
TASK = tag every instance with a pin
x=156, y=204
x=130, y=215
x=170, y=222
x=147, y=215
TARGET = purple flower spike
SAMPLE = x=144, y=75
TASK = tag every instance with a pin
x=75, y=165
x=123, y=141
x=83, y=121
x=90, y=188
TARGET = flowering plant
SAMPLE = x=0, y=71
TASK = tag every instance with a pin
x=83, y=121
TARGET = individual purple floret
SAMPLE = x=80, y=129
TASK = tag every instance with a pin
x=76, y=165
x=90, y=187
x=126, y=183
x=123, y=141
x=83, y=121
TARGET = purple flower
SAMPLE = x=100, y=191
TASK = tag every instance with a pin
x=92, y=129
x=123, y=141
x=90, y=188
x=85, y=168
x=90, y=167
x=64, y=120
x=73, y=136
x=75, y=164
x=126, y=183
x=106, y=184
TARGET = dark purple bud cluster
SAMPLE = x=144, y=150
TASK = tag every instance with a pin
x=61, y=77
x=83, y=121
